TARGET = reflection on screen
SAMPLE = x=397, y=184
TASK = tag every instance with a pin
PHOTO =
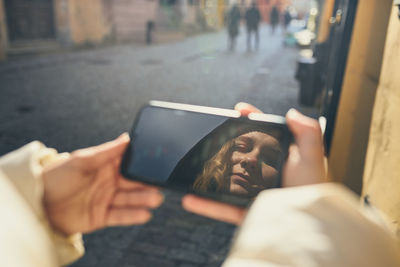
x=206, y=153
x=163, y=136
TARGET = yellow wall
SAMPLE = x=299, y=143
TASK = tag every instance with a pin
x=3, y=32
x=325, y=26
x=212, y=12
x=87, y=21
x=61, y=19
x=221, y=12
x=382, y=170
x=350, y=139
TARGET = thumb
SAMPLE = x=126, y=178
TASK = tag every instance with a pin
x=95, y=157
x=245, y=109
x=307, y=133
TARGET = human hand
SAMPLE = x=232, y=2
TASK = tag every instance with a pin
x=86, y=192
x=306, y=161
x=305, y=165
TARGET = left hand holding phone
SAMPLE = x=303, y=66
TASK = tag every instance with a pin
x=86, y=191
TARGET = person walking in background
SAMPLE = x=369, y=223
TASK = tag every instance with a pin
x=232, y=23
x=274, y=18
x=287, y=18
x=253, y=18
x=149, y=32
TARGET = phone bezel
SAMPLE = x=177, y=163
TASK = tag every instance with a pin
x=274, y=120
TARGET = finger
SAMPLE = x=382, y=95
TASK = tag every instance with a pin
x=213, y=209
x=245, y=109
x=97, y=156
x=138, y=198
x=294, y=154
x=127, y=216
x=118, y=162
x=306, y=131
x=305, y=164
x=125, y=184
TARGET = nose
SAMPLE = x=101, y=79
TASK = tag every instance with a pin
x=250, y=161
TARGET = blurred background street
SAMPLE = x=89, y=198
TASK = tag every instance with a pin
x=75, y=73
x=71, y=92
x=78, y=99
x=75, y=99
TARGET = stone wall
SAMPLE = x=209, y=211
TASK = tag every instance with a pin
x=129, y=18
x=382, y=170
x=87, y=21
x=360, y=83
x=83, y=22
x=365, y=152
x=62, y=21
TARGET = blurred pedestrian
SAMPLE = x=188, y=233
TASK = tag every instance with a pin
x=287, y=18
x=149, y=32
x=232, y=23
x=274, y=18
x=253, y=18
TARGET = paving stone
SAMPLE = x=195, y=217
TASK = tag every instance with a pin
x=188, y=265
x=149, y=248
x=187, y=256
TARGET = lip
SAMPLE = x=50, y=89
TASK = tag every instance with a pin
x=240, y=179
x=243, y=181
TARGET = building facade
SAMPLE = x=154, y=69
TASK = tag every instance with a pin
x=40, y=23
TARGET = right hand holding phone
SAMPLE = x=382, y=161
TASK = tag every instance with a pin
x=305, y=165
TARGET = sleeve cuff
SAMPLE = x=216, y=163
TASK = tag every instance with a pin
x=25, y=166
x=69, y=248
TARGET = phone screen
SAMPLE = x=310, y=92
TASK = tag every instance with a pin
x=211, y=155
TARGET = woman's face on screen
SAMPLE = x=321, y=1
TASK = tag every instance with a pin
x=254, y=163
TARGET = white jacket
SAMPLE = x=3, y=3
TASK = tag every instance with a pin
x=312, y=226
x=25, y=236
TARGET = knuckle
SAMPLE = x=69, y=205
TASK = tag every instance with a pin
x=314, y=125
x=77, y=156
x=314, y=128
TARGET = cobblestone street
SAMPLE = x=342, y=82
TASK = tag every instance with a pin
x=81, y=98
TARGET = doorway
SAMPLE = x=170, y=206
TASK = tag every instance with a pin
x=30, y=19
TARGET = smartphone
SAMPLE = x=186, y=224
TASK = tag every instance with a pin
x=211, y=152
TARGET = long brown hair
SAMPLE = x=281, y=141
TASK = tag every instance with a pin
x=216, y=170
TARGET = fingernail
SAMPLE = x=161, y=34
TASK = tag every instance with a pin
x=124, y=136
x=157, y=199
x=239, y=105
x=292, y=113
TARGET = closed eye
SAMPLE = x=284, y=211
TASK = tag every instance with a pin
x=243, y=144
x=241, y=147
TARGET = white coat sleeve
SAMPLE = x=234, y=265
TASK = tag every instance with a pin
x=318, y=225
x=21, y=173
